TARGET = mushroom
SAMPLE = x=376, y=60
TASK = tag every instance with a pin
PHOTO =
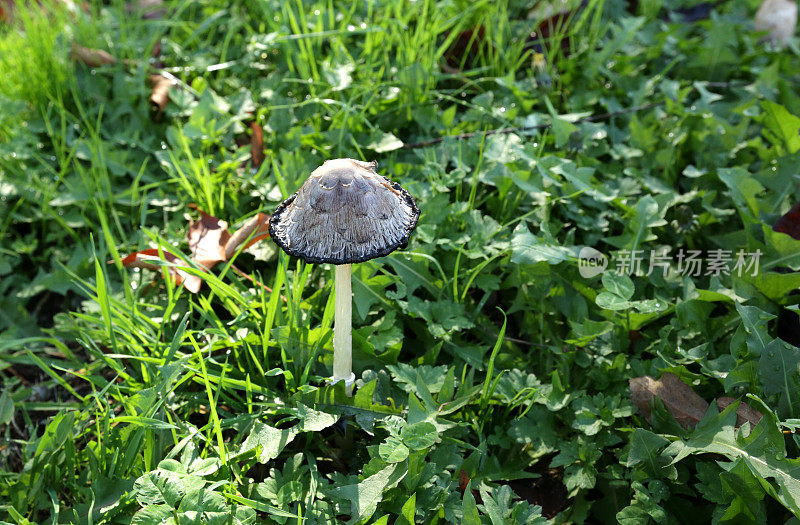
x=344, y=213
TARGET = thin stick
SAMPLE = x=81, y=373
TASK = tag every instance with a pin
x=503, y=131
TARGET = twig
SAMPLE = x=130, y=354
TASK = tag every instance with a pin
x=590, y=118
x=503, y=131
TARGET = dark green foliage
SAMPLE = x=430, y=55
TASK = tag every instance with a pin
x=492, y=375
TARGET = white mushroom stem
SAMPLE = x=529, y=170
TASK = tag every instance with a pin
x=342, y=324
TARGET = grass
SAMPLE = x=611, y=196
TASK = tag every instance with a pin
x=493, y=377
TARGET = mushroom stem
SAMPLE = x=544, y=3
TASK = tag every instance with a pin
x=342, y=337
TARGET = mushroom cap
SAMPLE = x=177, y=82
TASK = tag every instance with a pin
x=344, y=213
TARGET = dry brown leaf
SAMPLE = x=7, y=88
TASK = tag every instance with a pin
x=210, y=243
x=207, y=239
x=147, y=9
x=92, y=57
x=258, y=226
x=7, y=11
x=149, y=258
x=679, y=398
x=257, y=144
x=745, y=413
x=159, y=97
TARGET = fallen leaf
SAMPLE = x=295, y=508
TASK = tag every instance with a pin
x=745, y=413
x=147, y=9
x=552, y=28
x=150, y=258
x=207, y=239
x=92, y=57
x=465, y=49
x=789, y=223
x=463, y=480
x=160, y=94
x=210, y=243
x=679, y=398
x=258, y=226
x=257, y=144
x=7, y=11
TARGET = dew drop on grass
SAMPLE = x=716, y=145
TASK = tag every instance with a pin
x=316, y=12
x=351, y=27
x=363, y=25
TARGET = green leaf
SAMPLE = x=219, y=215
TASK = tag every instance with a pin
x=779, y=372
x=203, y=507
x=755, y=321
x=382, y=142
x=154, y=515
x=645, y=450
x=763, y=450
x=469, y=510
x=644, y=506
x=781, y=126
x=339, y=76
x=365, y=496
x=269, y=440
x=407, y=513
x=610, y=301
x=419, y=435
x=166, y=484
x=393, y=450
x=558, y=397
x=406, y=376
x=6, y=408
x=618, y=284
x=562, y=130
x=744, y=492
x=527, y=249
x=743, y=187
x=313, y=420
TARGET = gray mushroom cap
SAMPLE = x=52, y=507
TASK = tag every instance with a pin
x=344, y=213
